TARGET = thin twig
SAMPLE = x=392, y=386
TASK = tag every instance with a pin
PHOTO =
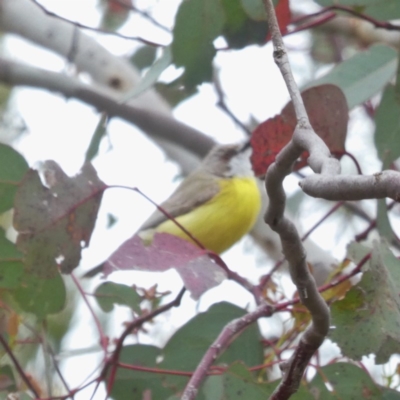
x=222, y=104
x=372, y=225
x=236, y=326
x=98, y=30
x=321, y=220
x=69, y=395
x=50, y=350
x=144, y=14
x=153, y=370
x=346, y=153
x=113, y=362
x=18, y=366
x=304, y=138
x=255, y=290
x=103, y=338
x=48, y=370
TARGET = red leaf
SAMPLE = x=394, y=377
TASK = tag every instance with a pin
x=267, y=141
x=117, y=7
x=328, y=113
x=198, y=271
x=284, y=17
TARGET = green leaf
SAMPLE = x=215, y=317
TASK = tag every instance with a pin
x=41, y=296
x=356, y=252
x=5, y=92
x=348, y=382
x=7, y=381
x=24, y=396
x=114, y=16
x=198, y=23
x=382, y=10
x=151, y=76
x=131, y=384
x=174, y=92
x=55, y=222
x=238, y=383
x=387, y=142
x=110, y=293
x=12, y=169
x=397, y=86
x=11, y=265
x=383, y=224
x=367, y=320
x=240, y=29
x=99, y=133
x=190, y=342
x=111, y=220
x=387, y=131
x=144, y=57
x=255, y=9
x=235, y=384
x=363, y=75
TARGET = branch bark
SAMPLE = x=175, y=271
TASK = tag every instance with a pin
x=26, y=19
x=326, y=183
x=293, y=249
x=219, y=345
x=156, y=124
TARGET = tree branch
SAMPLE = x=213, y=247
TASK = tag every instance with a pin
x=26, y=19
x=152, y=122
x=292, y=247
x=113, y=363
x=353, y=187
x=226, y=335
x=18, y=366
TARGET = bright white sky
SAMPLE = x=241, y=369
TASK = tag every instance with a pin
x=61, y=130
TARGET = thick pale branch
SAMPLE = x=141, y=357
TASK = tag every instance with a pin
x=28, y=20
x=294, y=252
x=151, y=122
x=340, y=187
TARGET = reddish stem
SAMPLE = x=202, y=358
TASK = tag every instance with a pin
x=113, y=362
x=345, y=153
x=363, y=235
x=265, y=279
x=317, y=224
x=103, y=337
x=153, y=370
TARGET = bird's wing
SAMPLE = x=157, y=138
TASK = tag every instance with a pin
x=195, y=190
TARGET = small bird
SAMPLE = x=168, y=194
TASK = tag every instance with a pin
x=218, y=203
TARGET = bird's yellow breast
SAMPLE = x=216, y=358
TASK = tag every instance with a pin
x=223, y=220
